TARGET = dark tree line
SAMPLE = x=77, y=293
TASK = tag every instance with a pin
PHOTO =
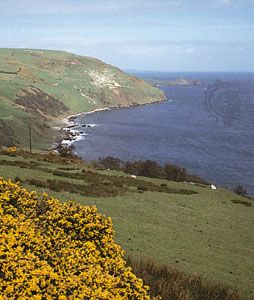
x=148, y=168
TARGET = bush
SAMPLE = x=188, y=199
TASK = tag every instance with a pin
x=242, y=202
x=175, y=173
x=147, y=168
x=11, y=151
x=142, y=188
x=240, y=190
x=67, y=152
x=17, y=179
x=53, y=250
x=110, y=162
x=174, y=284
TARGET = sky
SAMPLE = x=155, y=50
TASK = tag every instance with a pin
x=159, y=35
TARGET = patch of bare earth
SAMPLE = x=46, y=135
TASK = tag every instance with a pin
x=37, y=101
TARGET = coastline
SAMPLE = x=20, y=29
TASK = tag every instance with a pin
x=67, y=134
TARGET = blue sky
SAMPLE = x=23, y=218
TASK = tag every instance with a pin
x=163, y=35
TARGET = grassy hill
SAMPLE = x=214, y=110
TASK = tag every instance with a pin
x=39, y=87
x=182, y=225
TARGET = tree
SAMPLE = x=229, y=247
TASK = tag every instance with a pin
x=110, y=162
x=240, y=190
x=175, y=173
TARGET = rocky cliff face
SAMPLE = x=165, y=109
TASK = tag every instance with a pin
x=40, y=86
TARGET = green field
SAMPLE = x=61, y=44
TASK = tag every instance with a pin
x=31, y=81
x=204, y=232
x=182, y=225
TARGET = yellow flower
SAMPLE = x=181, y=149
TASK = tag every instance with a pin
x=65, y=251
x=12, y=149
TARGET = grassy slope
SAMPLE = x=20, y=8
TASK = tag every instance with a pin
x=80, y=83
x=204, y=233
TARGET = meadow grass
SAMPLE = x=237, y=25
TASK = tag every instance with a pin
x=209, y=233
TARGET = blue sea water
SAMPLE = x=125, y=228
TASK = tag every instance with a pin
x=189, y=130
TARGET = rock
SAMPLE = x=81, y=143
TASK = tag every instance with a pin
x=213, y=187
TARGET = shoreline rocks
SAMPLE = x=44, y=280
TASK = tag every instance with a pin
x=68, y=134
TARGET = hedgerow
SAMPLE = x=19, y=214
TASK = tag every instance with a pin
x=54, y=250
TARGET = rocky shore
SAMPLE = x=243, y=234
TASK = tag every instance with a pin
x=68, y=132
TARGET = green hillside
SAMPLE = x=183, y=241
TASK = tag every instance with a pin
x=39, y=86
x=186, y=226
x=182, y=225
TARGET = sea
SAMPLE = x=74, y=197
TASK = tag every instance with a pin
x=207, y=128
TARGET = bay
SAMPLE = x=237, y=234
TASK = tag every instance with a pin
x=182, y=130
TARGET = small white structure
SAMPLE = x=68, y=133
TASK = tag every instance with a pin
x=133, y=176
x=213, y=187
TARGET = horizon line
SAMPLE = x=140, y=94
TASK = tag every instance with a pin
x=184, y=71
x=129, y=69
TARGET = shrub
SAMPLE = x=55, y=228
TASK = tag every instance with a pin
x=142, y=188
x=147, y=168
x=12, y=149
x=67, y=152
x=243, y=202
x=110, y=162
x=175, y=173
x=240, y=190
x=17, y=179
x=51, y=250
x=97, y=165
x=171, y=283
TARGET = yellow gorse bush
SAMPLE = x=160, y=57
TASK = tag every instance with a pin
x=53, y=250
x=12, y=149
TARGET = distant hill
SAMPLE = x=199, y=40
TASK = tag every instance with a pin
x=40, y=86
x=177, y=82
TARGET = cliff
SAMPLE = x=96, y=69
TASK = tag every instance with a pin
x=38, y=87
